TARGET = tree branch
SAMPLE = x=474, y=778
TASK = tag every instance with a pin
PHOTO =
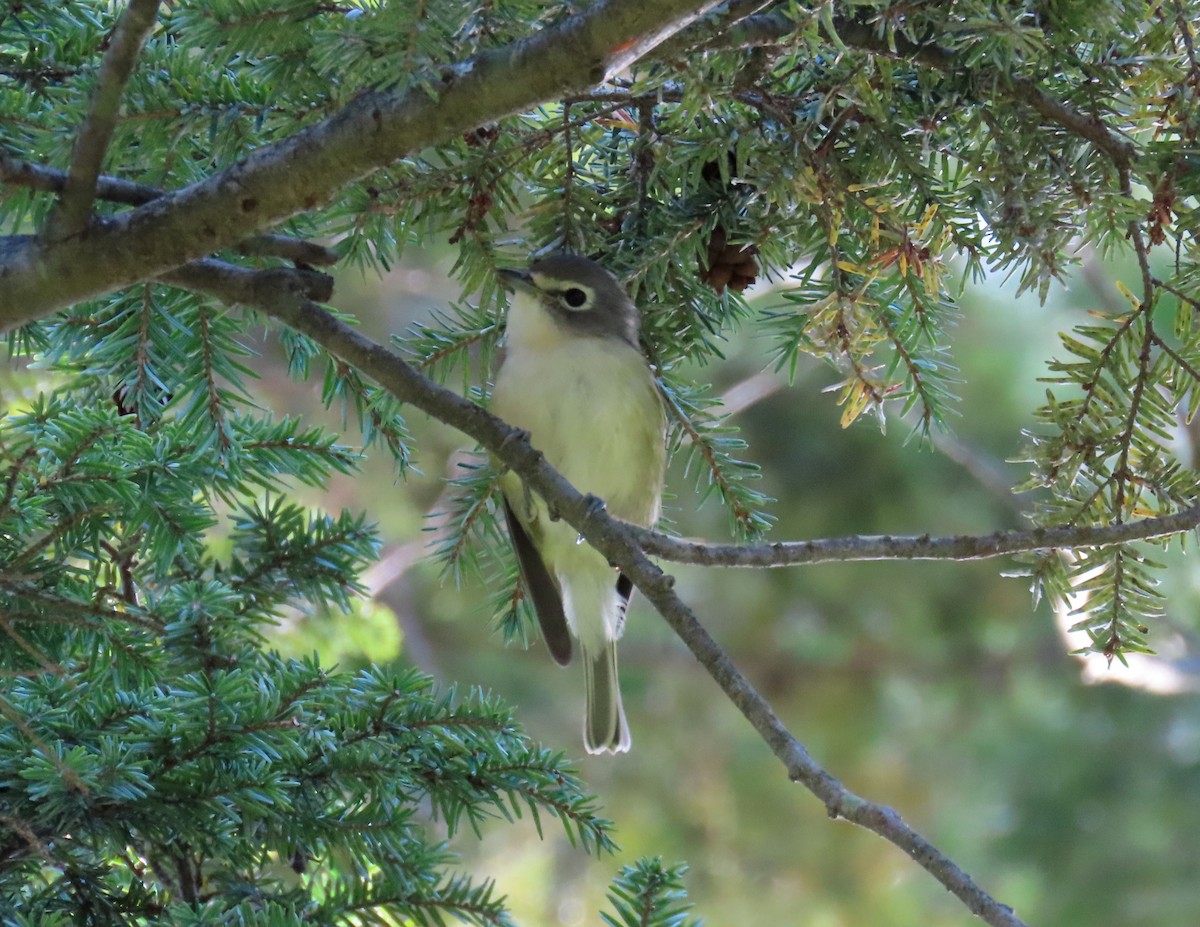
x=1121, y=151
x=923, y=547
x=619, y=543
x=752, y=32
x=1092, y=128
x=257, y=288
x=304, y=171
x=709, y=29
x=274, y=290
x=70, y=217
x=115, y=190
x=22, y=173
x=773, y=28
x=289, y=248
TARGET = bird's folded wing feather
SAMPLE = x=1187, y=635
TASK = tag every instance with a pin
x=542, y=588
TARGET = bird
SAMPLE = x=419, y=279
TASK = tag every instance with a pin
x=574, y=377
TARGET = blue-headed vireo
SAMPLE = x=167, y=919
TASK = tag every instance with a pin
x=574, y=377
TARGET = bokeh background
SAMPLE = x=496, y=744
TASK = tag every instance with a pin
x=938, y=688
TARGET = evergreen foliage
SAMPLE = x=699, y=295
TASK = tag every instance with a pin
x=159, y=765
x=649, y=895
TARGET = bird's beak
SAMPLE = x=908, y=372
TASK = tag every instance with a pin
x=516, y=280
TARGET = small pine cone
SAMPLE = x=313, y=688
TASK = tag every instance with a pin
x=745, y=272
x=733, y=266
x=717, y=277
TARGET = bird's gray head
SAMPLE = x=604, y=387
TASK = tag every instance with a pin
x=579, y=295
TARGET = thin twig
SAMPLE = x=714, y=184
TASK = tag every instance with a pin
x=74, y=208
x=1179, y=359
x=215, y=403
x=710, y=28
x=1120, y=473
x=31, y=839
x=1140, y=248
x=692, y=434
x=914, y=547
x=1179, y=294
x=1092, y=128
x=763, y=29
x=9, y=712
x=47, y=665
x=58, y=610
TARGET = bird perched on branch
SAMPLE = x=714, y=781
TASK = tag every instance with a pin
x=574, y=377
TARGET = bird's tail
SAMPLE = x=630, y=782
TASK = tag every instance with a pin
x=605, y=729
x=595, y=610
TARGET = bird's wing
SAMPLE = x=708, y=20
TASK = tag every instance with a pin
x=542, y=588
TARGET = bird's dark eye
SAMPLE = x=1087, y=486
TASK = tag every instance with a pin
x=575, y=297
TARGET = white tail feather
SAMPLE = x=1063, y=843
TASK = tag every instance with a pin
x=595, y=612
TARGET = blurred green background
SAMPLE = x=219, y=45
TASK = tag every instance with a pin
x=939, y=689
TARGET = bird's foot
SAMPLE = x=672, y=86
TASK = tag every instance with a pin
x=593, y=505
x=515, y=435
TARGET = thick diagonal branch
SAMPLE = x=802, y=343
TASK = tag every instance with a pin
x=116, y=190
x=304, y=171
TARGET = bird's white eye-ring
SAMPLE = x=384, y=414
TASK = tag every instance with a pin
x=575, y=298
